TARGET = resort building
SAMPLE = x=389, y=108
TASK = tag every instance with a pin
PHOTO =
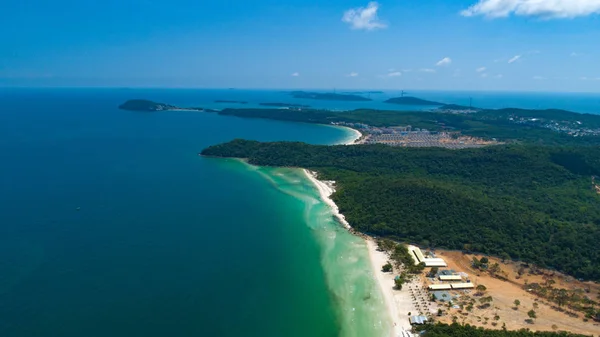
x=450, y=278
x=435, y=287
x=457, y=286
x=419, y=320
x=418, y=257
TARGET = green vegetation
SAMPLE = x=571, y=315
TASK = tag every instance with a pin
x=406, y=100
x=328, y=96
x=531, y=313
x=144, y=105
x=532, y=203
x=457, y=330
x=506, y=125
x=387, y=268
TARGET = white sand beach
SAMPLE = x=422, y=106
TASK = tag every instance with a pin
x=357, y=135
x=398, y=303
x=326, y=189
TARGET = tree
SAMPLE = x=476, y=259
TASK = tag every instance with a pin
x=484, y=260
x=398, y=283
x=440, y=312
x=531, y=314
x=433, y=272
x=481, y=288
x=387, y=268
x=517, y=304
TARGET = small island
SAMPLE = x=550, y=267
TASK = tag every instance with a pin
x=150, y=106
x=328, y=96
x=285, y=105
x=407, y=100
x=145, y=105
x=363, y=92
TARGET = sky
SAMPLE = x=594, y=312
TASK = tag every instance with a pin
x=516, y=45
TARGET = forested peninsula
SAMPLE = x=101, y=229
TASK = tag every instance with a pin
x=407, y=100
x=526, y=202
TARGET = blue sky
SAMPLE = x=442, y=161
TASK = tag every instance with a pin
x=540, y=45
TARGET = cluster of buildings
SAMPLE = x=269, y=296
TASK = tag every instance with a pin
x=446, y=279
x=575, y=129
x=407, y=136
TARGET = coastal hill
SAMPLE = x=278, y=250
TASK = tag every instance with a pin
x=407, y=100
x=328, y=96
x=145, y=105
x=525, y=202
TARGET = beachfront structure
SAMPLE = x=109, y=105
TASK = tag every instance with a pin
x=435, y=287
x=450, y=278
x=404, y=333
x=441, y=295
x=457, y=286
x=418, y=257
x=418, y=320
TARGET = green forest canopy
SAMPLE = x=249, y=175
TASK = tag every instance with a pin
x=457, y=330
x=528, y=202
x=485, y=123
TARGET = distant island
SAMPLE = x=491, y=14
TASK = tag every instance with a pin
x=407, y=100
x=150, y=106
x=363, y=92
x=328, y=96
x=227, y=101
x=285, y=105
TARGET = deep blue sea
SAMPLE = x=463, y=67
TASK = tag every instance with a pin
x=112, y=225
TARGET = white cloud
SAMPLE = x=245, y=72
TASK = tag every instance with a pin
x=547, y=9
x=484, y=75
x=364, y=17
x=296, y=74
x=481, y=69
x=514, y=59
x=352, y=74
x=394, y=74
x=574, y=54
x=539, y=78
x=444, y=62
x=427, y=70
x=499, y=76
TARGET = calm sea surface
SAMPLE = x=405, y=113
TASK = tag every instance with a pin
x=112, y=225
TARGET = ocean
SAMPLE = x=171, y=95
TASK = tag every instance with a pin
x=112, y=225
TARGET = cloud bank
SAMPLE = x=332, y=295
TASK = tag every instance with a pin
x=547, y=9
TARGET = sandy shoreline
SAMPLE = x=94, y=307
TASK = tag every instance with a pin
x=357, y=135
x=398, y=303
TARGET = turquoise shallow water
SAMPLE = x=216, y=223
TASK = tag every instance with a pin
x=112, y=225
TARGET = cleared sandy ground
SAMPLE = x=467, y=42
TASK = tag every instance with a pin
x=505, y=293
